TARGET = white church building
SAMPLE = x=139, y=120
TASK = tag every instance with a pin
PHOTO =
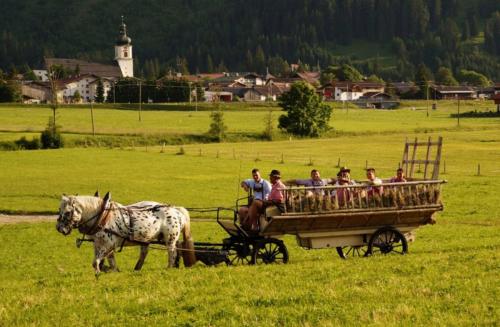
x=123, y=52
x=87, y=73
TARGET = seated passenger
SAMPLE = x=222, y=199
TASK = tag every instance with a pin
x=275, y=203
x=400, y=176
x=343, y=178
x=373, y=181
x=261, y=188
x=315, y=181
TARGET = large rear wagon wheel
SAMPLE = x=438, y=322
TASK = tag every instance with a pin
x=269, y=251
x=387, y=240
x=357, y=251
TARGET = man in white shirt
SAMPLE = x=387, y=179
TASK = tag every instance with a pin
x=373, y=180
x=260, y=189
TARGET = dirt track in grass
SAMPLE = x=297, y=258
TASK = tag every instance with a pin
x=16, y=219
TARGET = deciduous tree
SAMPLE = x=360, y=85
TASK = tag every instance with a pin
x=306, y=115
x=444, y=76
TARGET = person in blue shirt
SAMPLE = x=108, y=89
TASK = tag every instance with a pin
x=260, y=189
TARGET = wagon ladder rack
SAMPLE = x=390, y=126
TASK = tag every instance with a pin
x=410, y=157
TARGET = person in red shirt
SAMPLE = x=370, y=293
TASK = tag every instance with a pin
x=277, y=196
x=275, y=203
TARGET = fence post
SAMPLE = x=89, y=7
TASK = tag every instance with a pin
x=478, y=169
x=282, y=159
x=199, y=154
x=338, y=163
x=162, y=148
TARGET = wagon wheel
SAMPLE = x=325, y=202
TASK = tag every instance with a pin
x=239, y=254
x=270, y=251
x=352, y=251
x=386, y=240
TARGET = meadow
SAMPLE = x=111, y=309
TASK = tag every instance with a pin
x=243, y=122
x=449, y=277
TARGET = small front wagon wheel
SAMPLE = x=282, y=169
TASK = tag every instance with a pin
x=270, y=251
x=239, y=253
x=357, y=251
x=387, y=240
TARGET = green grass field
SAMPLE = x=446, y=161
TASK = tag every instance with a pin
x=450, y=276
x=76, y=122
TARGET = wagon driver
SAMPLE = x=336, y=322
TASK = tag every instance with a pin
x=261, y=189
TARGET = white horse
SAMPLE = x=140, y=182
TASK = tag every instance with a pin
x=111, y=225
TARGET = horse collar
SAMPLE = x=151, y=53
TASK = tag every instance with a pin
x=100, y=219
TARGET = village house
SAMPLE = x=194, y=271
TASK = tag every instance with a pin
x=377, y=100
x=237, y=79
x=38, y=92
x=485, y=92
x=282, y=82
x=262, y=93
x=309, y=77
x=444, y=92
x=349, y=91
x=86, y=85
x=218, y=95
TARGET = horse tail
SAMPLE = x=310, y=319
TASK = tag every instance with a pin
x=188, y=255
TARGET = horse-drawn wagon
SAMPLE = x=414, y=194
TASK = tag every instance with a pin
x=361, y=222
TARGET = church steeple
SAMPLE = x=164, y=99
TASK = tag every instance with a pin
x=123, y=52
x=123, y=39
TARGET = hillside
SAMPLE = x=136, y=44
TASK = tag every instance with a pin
x=212, y=35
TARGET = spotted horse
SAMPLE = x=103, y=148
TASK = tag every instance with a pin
x=112, y=225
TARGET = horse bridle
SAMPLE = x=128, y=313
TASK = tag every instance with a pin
x=98, y=218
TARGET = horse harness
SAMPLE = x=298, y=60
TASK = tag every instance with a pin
x=103, y=217
x=100, y=219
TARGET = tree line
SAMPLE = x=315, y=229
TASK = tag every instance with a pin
x=206, y=36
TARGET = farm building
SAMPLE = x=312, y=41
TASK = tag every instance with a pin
x=377, y=100
x=443, y=92
x=350, y=91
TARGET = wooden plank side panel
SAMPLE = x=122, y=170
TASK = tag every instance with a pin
x=293, y=224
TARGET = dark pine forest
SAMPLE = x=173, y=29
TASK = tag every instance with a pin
x=217, y=35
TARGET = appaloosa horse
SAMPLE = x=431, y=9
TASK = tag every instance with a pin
x=111, y=225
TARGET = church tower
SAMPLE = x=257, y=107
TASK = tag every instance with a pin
x=123, y=52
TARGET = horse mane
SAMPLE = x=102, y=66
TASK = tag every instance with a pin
x=90, y=204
